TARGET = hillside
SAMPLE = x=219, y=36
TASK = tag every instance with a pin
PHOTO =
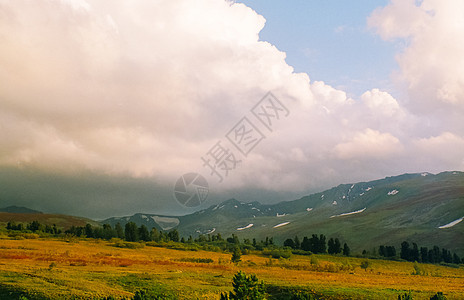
x=409, y=207
x=61, y=221
x=19, y=210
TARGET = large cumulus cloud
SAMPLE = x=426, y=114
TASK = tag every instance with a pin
x=146, y=88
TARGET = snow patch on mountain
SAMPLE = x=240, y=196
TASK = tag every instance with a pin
x=166, y=223
x=451, y=224
x=246, y=227
x=211, y=231
x=393, y=192
x=350, y=213
x=281, y=224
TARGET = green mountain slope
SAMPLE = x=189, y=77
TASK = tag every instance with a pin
x=365, y=215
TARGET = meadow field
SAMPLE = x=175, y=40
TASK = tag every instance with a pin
x=54, y=268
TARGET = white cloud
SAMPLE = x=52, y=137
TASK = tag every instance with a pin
x=369, y=144
x=432, y=64
x=382, y=103
x=146, y=88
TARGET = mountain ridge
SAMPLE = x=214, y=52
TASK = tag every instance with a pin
x=411, y=206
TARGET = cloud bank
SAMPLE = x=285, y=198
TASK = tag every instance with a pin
x=144, y=89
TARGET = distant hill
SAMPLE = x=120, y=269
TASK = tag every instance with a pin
x=422, y=208
x=19, y=210
x=62, y=221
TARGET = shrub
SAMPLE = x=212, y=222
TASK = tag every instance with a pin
x=406, y=296
x=438, y=296
x=129, y=245
x=245, y=287
x=197, y=260
x=418, y=270
x=236, y=255
x=152, y=295
x=365, y=264
x=278, y=253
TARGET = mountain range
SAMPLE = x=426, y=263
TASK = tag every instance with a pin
x=423, y=208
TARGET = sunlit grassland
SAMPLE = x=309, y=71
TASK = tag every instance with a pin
x=90, y=269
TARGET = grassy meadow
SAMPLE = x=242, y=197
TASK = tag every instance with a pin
x=92, y=269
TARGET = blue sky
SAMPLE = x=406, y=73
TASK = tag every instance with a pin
x=330, y=41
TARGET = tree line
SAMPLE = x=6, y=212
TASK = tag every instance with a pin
x=425, y=255
x=34, y=226
x=412, y=252
x=317, y=244
x=314, y=244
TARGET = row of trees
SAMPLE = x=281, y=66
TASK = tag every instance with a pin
x=425, y=255
x=318, y=244
x=387, y=251
x=315, y=244
x=131, y=233
x=34, y=226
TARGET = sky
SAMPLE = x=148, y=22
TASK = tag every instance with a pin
x=104, y=106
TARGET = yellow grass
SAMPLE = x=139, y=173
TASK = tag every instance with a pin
x=90, y=269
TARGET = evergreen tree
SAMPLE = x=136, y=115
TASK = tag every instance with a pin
x=131, y=232
x=437, y=254
x=119, y=231
x=236, y=255
x=143, y=233
x=234, y=240
x=322, y=244
x=337, y=246
x=35, y=226
x=306, y=244
x=297, y=242
x=405, y=251
x=414, y=255
x=173, y=235
x=431, y=257
x=89, y=231
x=331, y=246
x=289, y=243
x=382, y=251
x=314, y=244
x=424, y=254
x=346, y=250
x=155, y=235
x=107, y=232
x=391, y=251
x=245, y=287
